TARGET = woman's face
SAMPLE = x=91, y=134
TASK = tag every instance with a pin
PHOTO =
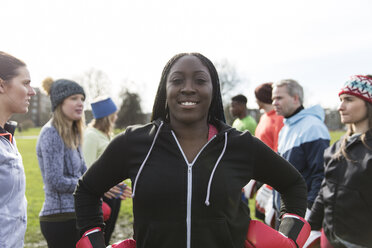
x=18, y=91
x=72, y=107
x=353, y=110
x=189, y=91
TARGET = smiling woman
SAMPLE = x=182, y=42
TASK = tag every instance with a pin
x=187, y=169
x=15, y=94
x=61, y=162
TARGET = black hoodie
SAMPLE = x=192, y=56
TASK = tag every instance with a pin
x=181, y=204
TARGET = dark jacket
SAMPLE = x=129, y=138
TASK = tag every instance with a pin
x=181, y=204
x=344, y=204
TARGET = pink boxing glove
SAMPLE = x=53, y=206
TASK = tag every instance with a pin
x=296, y=228
x=261, y=235
x=128, y=243
x=293, y=233
x=106, y=210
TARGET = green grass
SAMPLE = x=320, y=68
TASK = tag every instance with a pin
x=34, y=185
x=336, y=135
x=34, y=131
x=34, y=188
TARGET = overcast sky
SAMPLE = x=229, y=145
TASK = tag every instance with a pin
x=320, y=43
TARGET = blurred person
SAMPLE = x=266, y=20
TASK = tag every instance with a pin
x=303, y=138
x=96, y=138
x=243, y=121
x=61, y=161
x=343, y=206
x=267, y=130
x=187, y=169
x=270, y=123
x=15, y=95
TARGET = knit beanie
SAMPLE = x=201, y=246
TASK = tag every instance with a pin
x=103, y=108
x=359, y=86
x=61, y=89
x=263, y=92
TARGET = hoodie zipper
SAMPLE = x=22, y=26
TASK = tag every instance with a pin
x=189, y=186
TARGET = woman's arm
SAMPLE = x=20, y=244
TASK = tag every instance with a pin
x=109, y=170
x=274, y=170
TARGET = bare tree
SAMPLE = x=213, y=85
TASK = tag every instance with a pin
x=230, y=80
x=96, y=83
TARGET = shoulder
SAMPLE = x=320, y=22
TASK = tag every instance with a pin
x=137, y=133
x=310, y=127
x=49, y=134
x=91, y=133
x=48, y=130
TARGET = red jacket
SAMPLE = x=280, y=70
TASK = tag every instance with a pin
x=268, y=129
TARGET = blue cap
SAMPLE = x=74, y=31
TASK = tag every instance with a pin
x=103, y=108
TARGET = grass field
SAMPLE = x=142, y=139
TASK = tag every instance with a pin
x=34, y=186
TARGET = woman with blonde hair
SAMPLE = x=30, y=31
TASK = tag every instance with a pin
x=61, y=161
x=15, y=94
x=96, y=138
x=342, y=209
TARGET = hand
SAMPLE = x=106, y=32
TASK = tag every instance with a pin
x=121, y=191
x=127, y=193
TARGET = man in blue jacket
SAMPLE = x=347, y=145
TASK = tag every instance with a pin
x=303, y=138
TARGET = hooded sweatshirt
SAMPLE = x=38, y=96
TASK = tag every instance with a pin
x=302, y=142
x=177, y=203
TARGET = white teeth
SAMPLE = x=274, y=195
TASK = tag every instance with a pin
x=188, y=103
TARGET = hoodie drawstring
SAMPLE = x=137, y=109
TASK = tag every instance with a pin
x=214, y=169
x=144, y=161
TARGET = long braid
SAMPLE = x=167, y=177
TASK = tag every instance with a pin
x=215, y=113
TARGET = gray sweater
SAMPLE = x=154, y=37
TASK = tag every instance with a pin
x=60, y=168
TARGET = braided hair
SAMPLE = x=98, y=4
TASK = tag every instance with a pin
x=160, y=108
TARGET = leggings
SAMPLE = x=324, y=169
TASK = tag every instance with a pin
x=61, y=234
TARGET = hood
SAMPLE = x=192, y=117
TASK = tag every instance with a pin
x=316, y=111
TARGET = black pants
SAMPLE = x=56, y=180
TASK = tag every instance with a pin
x=110, y=223
x=60, y=234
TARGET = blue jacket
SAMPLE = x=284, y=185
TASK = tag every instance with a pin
x=61, y=168
x=302, y=142
x=13, y=204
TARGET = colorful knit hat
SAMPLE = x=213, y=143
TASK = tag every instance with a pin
x=359, y=86
x=103, y=108
x=263, y=92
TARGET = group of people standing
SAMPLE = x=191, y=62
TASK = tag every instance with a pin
x=188, y=167
x=339, y=202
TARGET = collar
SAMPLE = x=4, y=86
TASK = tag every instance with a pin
x=296, y=112
x=8, y=130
